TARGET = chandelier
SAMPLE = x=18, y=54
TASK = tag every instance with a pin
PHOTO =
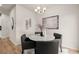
x=40, y=10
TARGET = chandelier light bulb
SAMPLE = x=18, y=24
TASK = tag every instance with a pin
x=38, y=8
x=44, y=8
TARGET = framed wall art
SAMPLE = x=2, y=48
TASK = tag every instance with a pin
x=12, y=23
x=28, y=23
x=51, y=22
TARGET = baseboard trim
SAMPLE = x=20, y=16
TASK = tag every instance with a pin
x=16, y=48
x=71, y=49
x=4, y=37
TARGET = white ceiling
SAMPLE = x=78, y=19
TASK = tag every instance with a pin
x=33, y=6
x=48, y=6
x=5, y=8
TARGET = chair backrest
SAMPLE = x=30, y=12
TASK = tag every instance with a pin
x=47, y=47
x=23, y=36
x=57, y=36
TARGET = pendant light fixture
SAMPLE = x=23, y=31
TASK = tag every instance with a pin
x=40, y=10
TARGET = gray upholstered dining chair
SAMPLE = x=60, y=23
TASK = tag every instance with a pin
x=59, y=37
x=47, y=47
x=26, y=43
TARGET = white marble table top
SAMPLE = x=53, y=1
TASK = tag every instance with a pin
x=39, y=38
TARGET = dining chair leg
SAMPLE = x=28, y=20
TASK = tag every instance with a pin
x=22, y=51
x=61, y=45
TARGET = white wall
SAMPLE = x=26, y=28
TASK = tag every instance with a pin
x=13, y=32
x=38, y=21
x=68, y=23
x=20, y=15
x=78, y=30
x=4, y=23
x=23, y=14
